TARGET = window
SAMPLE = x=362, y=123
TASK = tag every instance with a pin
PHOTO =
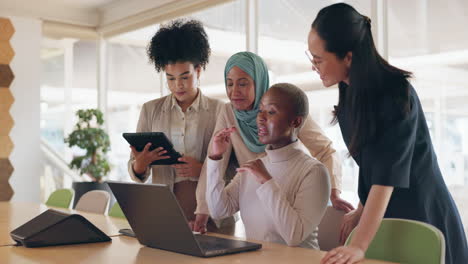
x=225, y=26
x=68, y=84
x=429, y=39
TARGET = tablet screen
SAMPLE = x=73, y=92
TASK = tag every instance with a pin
x=157, y=139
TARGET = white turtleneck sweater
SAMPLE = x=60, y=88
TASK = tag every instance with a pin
x=286, y=209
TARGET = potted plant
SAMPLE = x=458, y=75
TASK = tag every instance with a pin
x=93, y=139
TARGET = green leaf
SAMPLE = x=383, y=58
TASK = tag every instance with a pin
x=90, y=136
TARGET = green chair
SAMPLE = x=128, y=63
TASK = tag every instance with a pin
x=116, y=211
x=406, y=241
x=60, y=198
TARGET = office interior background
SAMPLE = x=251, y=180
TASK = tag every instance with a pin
x=102, y=63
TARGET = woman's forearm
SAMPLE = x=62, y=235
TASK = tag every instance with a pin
x=371, y=216
x=221, y=201
x=360, y=207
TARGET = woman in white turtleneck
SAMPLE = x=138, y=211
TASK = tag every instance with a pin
x=282, y=196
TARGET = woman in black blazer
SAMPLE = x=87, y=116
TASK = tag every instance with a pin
x=384, y=128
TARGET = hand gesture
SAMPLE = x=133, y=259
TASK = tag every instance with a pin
x=256, y=168
x=339, y=203
x=190, y=169
x=221, y=141
x=145, y=157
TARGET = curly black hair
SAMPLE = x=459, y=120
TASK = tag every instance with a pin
x=179, y=41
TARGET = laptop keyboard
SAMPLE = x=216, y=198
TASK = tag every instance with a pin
x=213, y=243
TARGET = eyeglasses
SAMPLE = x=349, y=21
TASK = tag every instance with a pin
x=312, y=60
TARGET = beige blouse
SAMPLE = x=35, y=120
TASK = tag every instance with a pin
x=311, y=135
x=286, y=209
x=190, y=133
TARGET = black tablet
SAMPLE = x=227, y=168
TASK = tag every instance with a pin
x=157, y=139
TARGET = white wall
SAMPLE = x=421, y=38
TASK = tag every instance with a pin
x=26, y=156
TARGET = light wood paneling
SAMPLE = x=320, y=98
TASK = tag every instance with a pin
x=6, y=29
x=6, y=169
x=6, y=75
x=6, y=52
x=6, y=100
x=6, y=147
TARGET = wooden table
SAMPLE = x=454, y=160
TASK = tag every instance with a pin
x=126, y=249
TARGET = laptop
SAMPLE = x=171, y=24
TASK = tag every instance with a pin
x=158, y=221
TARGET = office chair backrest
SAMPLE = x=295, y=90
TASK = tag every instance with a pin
x=406, y=241
x=95, y=201
x=329, y=229
x=60, y=198
x=116, y=211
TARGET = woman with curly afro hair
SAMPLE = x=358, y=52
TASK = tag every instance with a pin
x=181, y=50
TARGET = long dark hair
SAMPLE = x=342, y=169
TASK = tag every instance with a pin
x=370, y=76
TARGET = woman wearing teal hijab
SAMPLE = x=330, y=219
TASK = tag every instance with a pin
x=255, y=68
x=246, y=79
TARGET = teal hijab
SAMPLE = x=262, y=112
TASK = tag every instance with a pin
x=254, y=66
